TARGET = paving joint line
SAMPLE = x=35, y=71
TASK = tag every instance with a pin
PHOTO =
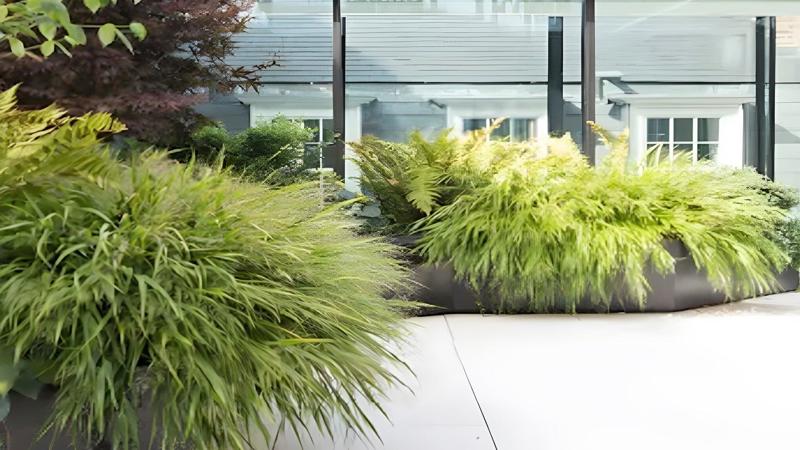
x=469, y=382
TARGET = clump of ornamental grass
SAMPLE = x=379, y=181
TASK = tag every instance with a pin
x=548, y=231
x=213, y=302
x=533, y=227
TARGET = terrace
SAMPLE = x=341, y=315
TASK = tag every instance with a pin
x=718, y=378
x=399, y=224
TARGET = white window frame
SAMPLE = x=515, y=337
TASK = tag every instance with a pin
x=671, y=142
x=480, y=108
x=731, y=124
x=489, y=120
x=320, y=122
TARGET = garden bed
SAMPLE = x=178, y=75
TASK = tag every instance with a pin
x=686, y=288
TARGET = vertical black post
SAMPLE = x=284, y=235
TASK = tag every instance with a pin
x=555, y=76
x=773, y=56
x=761, y=94
x=766, y=49
x=336, y=151
x=588, y=75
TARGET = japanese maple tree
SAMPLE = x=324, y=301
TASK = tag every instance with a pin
x=153, y=87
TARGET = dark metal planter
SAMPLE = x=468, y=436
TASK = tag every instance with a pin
x=24, y=425
x=686, y=288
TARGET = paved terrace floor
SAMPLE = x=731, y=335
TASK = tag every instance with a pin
x=724, y=378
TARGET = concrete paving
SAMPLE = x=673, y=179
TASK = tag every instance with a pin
x=725, y=378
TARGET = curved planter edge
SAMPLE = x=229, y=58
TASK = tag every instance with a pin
x=686, y=288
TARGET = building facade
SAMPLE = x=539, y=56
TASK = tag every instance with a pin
x=687, y=75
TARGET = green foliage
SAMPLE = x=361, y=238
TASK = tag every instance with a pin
x=209, y=141
x=216, y=302
x=534, y=227
x=272, y=151
x=268, y=146
x=47, y=25
x=411, y=180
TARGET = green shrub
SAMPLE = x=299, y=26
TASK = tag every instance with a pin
x=209, y=141
x=260, y=151
x=217, y=302
x=537, y=228
x=410, y=180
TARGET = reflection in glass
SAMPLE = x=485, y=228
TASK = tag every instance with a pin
x=658, y=130
x=684, y=130
x=708, y=130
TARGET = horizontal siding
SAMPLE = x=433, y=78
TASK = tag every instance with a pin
x=703, y=49
x=452, y=48
x=301, y=44
x=409, y=48
x=787, y=135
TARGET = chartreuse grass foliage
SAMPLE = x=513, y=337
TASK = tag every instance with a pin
x=534, y=227
x=216, y=302
x=550, y=230
x=410, y=180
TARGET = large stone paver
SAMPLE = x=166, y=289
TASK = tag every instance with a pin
x=722, y=378
x=441, y=413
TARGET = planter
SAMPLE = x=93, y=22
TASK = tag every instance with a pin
x=686, y=288
x=28, y=416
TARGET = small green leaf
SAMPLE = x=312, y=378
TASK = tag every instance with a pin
x=93, y=5
x=48, y=30
x=3, y=12
x=17, y=47
x=107, y=33
x=63, y=49
x=138, y=30
x=76, y=33
x=124, y=40
x=48, y=47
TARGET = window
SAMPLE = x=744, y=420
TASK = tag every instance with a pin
x=517, y=129
x=694, y=135
x=323, y=134
x=323, y=130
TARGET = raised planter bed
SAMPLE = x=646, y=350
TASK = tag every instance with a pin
x=24, y=425
x=686, y=288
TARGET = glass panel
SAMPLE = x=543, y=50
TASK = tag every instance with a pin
x=684, y=130
x=503, y=130
x=411, y=65
x=312, y=124
x=658, y=130
x=327, y=130
x=474, y=124
x=706, y=151
x=787, y=138
x=699, y=54
x=708, y=130
x=522, y=129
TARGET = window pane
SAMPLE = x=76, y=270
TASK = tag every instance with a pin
x=684, y=130
x=503, y=130
x=706, y=151
x=658, y=130
x=682, y=150
x=327, y=130
x=708, y=130
x=312, y=124
x=474, y=124
x=522, y=129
